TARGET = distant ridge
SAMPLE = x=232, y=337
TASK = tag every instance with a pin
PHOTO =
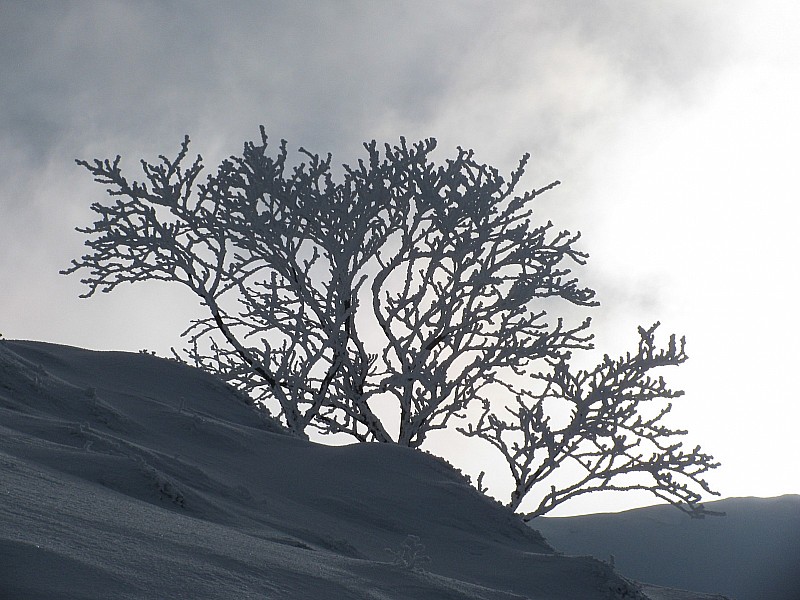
x=752, y=553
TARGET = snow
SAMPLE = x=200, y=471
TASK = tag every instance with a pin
x=655, y=592
x=129, y=476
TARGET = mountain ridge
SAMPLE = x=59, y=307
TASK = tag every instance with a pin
x=751, y=553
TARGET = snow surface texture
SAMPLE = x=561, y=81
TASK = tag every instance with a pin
x=129, y=476
x=753, y=553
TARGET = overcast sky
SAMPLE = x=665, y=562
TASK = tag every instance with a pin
x=673, y=126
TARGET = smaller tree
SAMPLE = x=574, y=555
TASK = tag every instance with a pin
x=617, y=443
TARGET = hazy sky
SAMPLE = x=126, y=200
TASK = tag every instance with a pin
x=673, y=126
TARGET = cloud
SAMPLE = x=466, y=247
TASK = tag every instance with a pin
x=332, y=73
x=97, y=78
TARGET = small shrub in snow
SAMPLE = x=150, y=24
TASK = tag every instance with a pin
x=411, y=556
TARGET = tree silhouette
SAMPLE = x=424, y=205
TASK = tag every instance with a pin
x=607, y=434
x=381, y=307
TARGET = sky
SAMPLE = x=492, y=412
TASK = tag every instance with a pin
x=673, y=127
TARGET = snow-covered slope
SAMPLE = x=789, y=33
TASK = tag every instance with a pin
x=129, y=476
x=752, y=553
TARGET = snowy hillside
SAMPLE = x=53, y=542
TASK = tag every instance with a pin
x=129, y=476
x=753, y=553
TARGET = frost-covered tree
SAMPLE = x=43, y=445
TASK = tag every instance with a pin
x=407, y=283
x=382, y=305
x=614, y=432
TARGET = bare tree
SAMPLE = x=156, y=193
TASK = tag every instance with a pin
x=385, y=305
x=617, y=443
x=440, y=264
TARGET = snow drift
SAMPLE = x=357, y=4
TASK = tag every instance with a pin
x=130, y=476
